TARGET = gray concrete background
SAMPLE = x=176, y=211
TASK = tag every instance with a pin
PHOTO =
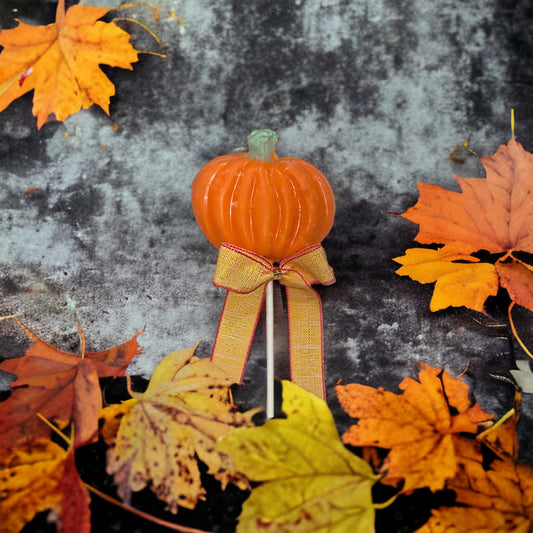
x=375, y=93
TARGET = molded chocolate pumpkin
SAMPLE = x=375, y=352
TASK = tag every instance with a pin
x=272, y=206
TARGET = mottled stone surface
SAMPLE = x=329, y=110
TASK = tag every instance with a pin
x=375, y=93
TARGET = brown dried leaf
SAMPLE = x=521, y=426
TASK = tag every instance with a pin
x=61, y=386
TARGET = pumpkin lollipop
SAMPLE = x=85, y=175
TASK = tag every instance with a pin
x=268, y=216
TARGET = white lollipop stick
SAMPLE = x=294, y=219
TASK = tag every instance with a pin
x=270, y=349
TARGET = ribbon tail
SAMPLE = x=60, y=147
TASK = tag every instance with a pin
x=305, y=340
x=236, y=330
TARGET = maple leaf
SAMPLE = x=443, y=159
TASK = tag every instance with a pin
x=517, y=278
x=310, y=481
x=61, y=62
x=457, y=283
x=505, y=490
x=163, y=431
x=418, y=426
x=494, y=499
x=40, y=477
x=62, y=387
x=492, y=214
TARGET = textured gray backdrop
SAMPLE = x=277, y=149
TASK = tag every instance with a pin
x=375, y=93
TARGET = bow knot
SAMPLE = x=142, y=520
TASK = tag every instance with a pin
x=242, y=271
x=277, y=270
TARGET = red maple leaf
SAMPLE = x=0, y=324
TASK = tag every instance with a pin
x=61, y=386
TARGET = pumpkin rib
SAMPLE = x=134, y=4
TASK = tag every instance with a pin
x=247, y=212
x=214, y=203
x=220, y=212
x=276, y=210
x=278, y=216
x=313, y=215
x=292, y=180
x=260, y=206
x=232, y=180
x=281, y=210
x=323, y=185
x=202, y=204
x=214, y=200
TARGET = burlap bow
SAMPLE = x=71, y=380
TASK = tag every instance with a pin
x=244, y=274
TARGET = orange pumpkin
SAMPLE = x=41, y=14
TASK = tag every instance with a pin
x=272, y=206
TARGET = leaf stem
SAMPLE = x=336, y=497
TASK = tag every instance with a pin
x=385, y=504
x=128, y=386
x=142, y=514
x=515, y=333
x=55, y=429
x=151, y=53
x=145, y=27
x=82, y=341
x=24, y=328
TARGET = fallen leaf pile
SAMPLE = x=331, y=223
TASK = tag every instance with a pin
x=155, y=439
x=296, y=472
x=60, y=62
x=431, y=447
x=491, y=215
x=433, y=436
x=62, y=388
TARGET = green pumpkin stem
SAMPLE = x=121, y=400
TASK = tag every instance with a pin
x=261, y=144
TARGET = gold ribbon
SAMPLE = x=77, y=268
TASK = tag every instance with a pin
x=245, y=274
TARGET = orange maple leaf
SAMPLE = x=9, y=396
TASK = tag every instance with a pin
x=40, y=477
x=61, y=62
x=495, y=497
x=62, y=387
x=492, y=214
x=418, y=426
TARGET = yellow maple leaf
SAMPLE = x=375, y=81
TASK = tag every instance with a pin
x=61, y=62
x=163, y=431
x=311, y=482
x=39, y=477
x=461, y=280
